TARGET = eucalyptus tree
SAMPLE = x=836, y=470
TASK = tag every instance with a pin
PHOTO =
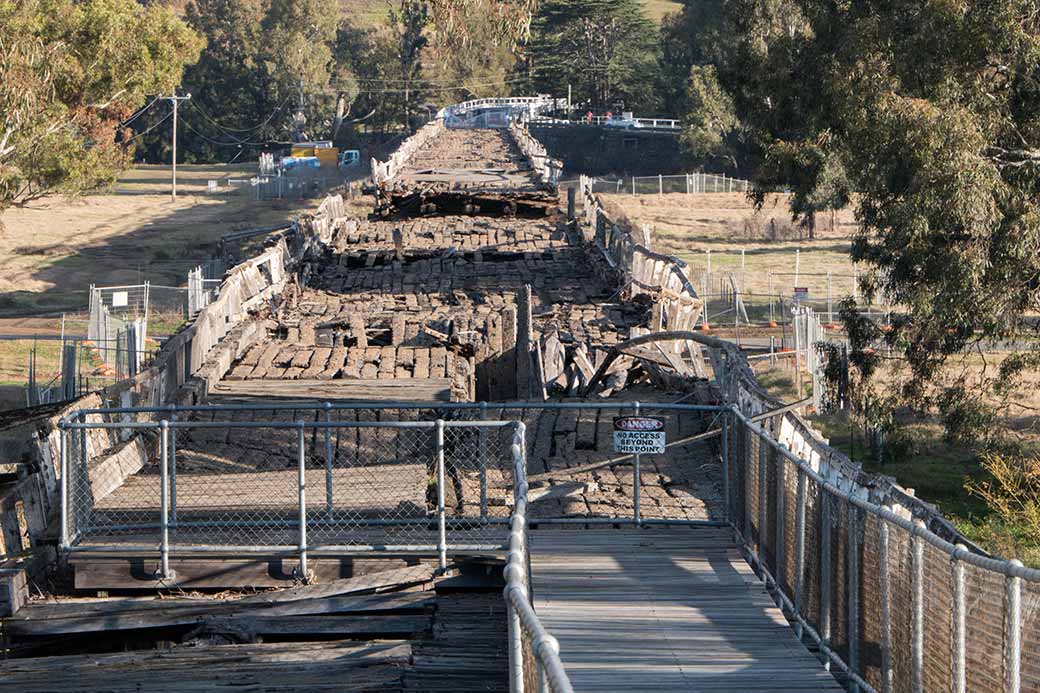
x=930, y=113
x=70, y=74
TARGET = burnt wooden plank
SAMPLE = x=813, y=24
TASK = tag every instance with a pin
x=95, y=572
x=367, y=388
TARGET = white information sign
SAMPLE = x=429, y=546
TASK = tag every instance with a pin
x=120, y=299
x=639, y=435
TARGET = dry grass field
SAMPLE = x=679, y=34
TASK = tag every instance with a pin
x=729, y=228
x=54, y=249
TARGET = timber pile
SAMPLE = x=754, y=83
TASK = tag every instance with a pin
x=355, y=244
x=444, y=304
x=469, y=163
x=456, y=153
x=398, y=630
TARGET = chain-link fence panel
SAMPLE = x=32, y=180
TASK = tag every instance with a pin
x=938, y=618
x=872, y=613
x=317, y=478
x=838, y=530
x=1030, y=636
x=879, y=591
x=813, y=523
x=986, y=629
x=577, y=474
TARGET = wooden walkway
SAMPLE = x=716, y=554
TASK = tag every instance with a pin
x=665, y=609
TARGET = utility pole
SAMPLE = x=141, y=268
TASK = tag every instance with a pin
x=175, y=101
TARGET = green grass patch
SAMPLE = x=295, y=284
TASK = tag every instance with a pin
x=919, y=459
x=780, y=383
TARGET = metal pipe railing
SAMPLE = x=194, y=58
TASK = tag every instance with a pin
x=336, y=406
x=522, y=617
x=78, y=509
x=1012, y=571
x=77, y=501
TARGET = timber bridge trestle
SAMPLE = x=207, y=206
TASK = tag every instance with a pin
x=408, y=417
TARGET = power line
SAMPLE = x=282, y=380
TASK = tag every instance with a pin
x=229, y=130
x=145, y=132
x=236, y=143
x=139, y=112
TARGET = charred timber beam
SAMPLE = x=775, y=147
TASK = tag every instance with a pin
x=651, y=338
x=408, y=203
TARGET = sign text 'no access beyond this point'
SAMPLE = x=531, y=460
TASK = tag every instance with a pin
x=639, y=435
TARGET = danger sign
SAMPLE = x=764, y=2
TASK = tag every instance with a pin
x=638, y=435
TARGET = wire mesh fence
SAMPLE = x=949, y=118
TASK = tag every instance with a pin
x=233, y=472
x=698, y=183
x=294, y=187
x=893, y=606
x=573, y=444
x=353, y=479
x=53, y=369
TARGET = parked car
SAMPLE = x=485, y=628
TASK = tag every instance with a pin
x=624, y=121
x=349, y=157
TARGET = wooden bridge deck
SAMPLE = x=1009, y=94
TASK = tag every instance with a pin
x=668, y=609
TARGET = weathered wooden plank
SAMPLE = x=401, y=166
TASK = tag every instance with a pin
x=700, y=617
x=311, y=666
x=366, y=389
x=94, y=572
x=402, y=576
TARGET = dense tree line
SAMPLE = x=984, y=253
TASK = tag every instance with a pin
x=264, y=73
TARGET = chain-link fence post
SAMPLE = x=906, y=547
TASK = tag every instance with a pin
x=83, y=513
x=960, y=678
x=778, y=550
x=164, y=500
x=1013, y=619
x=301, y=454
x=483, y=462
x=173, y=468
x=830, y=301
x=852, y=555
x=64, y=456
x=329, y=502
x=727, y=501
x=825, y=570
x=442, y=547
x=748, y=438
x=799, y=549
x=636, y=475
x=763, y=504
x=917, y=609
x=885, y=587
